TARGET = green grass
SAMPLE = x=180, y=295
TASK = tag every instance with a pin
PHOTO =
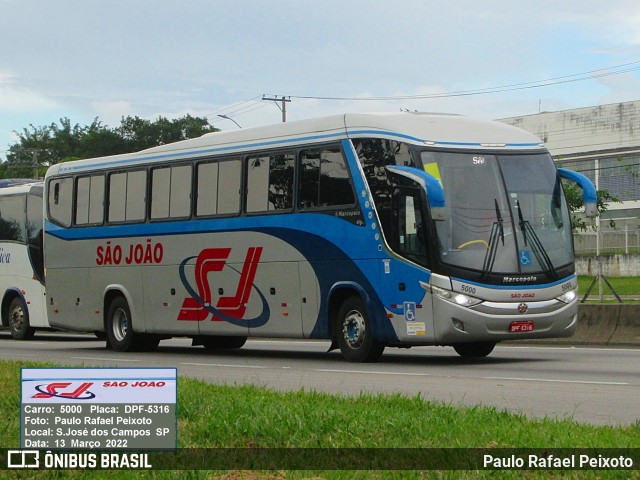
x=248, y=416
x=624, y=286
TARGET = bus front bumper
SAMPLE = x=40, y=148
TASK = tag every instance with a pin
x=500, y=321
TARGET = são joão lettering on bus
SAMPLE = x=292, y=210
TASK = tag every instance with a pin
x=135, y=253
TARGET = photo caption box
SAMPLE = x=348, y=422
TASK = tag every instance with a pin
x=98, y=408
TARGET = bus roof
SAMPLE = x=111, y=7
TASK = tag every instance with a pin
x=440, y=130
x=11, y=186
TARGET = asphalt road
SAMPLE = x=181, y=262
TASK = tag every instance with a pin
x=589, y=385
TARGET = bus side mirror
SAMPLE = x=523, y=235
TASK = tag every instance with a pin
x=590, y=196
x=431, y=185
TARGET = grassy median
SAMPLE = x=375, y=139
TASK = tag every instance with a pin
x=212, y=416
x=623, y=286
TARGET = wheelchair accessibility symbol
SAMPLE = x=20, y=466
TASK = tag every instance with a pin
x=409, y=311
x=525, y=257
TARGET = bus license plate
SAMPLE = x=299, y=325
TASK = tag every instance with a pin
x=521, y=327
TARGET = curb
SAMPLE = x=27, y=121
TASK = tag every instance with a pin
x=616, y=325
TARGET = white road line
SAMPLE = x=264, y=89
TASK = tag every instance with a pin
x=549, y=380
x=220, y=365
x=106, y=359
x=407, y=374
x=565, y=347
x=74, y=358
x=377, y=372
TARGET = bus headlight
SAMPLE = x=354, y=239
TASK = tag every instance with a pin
x=454, y=297
x=466, y=300
x=567, y=297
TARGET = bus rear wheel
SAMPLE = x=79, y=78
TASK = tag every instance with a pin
x=474, y=350
x=19, y=320
x=354, y=333
x=119, y=329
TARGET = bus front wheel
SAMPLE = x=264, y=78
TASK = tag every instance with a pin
x=120, y=334
x=19, y=320
x=474, y=350
x=354, y=334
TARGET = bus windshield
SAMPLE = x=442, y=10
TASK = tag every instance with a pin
x=504, y=213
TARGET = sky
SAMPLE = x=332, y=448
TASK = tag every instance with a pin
x=83, y=59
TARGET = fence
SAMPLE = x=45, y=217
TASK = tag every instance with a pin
x=622, y=241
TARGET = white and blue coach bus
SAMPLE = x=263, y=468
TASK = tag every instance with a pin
x=21, y=261
x=368, y=230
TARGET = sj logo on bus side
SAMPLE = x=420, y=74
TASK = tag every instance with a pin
x=231, y=308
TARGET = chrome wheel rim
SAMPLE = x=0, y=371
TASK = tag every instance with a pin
x=16, y=318
x=120, y=324
x=353, y=329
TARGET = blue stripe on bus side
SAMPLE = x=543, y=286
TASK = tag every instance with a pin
x=297, y=221
x=517, y=287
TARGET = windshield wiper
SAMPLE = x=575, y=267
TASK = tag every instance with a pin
x=500, y=221
x=497, y=231
x=536, y=245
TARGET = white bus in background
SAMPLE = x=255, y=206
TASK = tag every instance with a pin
x=23, y=306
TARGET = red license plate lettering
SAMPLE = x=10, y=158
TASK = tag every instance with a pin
x=521, y=327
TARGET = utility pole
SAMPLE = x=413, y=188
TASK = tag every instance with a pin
x=597, y=185
x=284, y=100
x=34, y=157
x=36, y=165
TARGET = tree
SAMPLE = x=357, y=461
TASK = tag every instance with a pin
x=573, y=194
x=47, y=145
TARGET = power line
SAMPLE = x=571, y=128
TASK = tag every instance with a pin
x=245, y=110
x=233, y=105
x=576, y=77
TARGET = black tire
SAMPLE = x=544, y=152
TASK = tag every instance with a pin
x=119, y=329
x=18, y=316
x=222, y=342
x=474, y=350
x=354, y=334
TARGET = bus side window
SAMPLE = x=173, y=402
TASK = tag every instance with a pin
x=136, y=195
x=34, y=232
x=308, y=196
x=34, y=218
x=324, y=179
x=218, y=188
x=374, y=155
x=171, y=192
x=90, y=200
x=60, y=201
x=12, y=218
x=127, y=196
x=270, y=182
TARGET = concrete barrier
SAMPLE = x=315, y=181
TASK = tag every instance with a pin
x=612, y=265
x=614, y=325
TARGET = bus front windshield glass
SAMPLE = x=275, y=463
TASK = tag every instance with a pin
x=503, y=214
